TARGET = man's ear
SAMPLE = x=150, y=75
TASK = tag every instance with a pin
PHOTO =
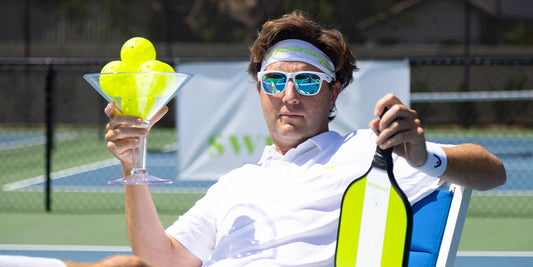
x=335, y=91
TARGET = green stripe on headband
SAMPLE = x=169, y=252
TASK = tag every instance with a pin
x=298, y=50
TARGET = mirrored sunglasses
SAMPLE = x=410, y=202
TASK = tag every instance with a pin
x=307, y=83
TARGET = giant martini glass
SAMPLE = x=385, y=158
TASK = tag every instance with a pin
x=140, y=94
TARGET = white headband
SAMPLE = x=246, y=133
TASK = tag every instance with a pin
x=298, y=50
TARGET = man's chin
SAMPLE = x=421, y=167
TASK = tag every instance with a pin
x=290, y=132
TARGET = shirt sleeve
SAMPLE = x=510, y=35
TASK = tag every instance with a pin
x=24, y=261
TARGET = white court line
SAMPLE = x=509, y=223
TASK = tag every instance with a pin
x=101, y=189
x=113, y=161
x=35, y=140
x=504, y=193
x=128, y=249
x=60, y=174
x=495, y=253
x=64, y=248
x=119, y=189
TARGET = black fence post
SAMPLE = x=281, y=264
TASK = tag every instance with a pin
x=467, y=107
x=49, y=112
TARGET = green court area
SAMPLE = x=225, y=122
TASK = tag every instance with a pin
x=22, y=149
x=77, y=161
x=480, y=234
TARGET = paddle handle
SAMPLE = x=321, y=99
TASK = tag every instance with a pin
x=383, y=157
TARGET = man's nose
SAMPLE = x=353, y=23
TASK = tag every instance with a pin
x=291, y=95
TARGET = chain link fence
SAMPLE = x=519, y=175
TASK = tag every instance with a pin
x=485, y=101
x=52, y=126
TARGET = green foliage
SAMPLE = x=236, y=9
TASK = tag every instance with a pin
x=235, y=20
x=117, y=16
x=521, y=34
x=73, y=10
x=207, y=20
x=211, y=25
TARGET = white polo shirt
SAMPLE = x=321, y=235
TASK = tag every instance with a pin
x=284, y=211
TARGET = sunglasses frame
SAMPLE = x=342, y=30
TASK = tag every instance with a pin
x=292, y=75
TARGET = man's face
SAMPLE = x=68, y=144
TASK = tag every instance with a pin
x=291, y=117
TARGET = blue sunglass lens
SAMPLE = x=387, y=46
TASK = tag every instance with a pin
x=274, y=83
x=307, y=83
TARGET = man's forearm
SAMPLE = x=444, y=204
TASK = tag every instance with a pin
x=147, y=236
x=472, y=166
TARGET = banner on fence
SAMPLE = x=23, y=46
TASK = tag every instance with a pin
x=220, y=121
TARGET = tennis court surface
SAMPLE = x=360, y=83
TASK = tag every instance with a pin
x=516, y=153
x=95, y=253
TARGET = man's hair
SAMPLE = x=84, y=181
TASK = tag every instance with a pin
x=296, y=25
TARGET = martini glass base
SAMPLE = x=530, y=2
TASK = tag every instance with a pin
x=140, y=178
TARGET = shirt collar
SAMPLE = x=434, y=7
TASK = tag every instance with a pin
x=325, y=139
x=320, y=141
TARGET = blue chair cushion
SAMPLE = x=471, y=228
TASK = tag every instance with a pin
x=429, y=220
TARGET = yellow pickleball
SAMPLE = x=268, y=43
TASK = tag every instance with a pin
x=117, y=85
x=137, y=50
x=154, y=84
x=138, y=106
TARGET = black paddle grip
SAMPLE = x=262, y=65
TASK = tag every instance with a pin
x=383, y=157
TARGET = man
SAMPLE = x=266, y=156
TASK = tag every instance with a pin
x=284, y=211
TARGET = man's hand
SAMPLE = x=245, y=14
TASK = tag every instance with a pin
x=400, y=128
x=121, y=137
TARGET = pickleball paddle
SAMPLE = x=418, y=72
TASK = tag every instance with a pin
x=375, y=222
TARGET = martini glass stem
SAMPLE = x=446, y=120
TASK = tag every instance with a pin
x=139, y=158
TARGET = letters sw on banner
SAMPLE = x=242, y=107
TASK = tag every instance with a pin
x=220, y=122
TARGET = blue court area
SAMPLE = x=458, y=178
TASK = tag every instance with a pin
x=94, y=177
x=516, y=154
x=95, y=253
x=493, y=259
x=73, y=253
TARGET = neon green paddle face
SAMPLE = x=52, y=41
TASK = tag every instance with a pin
x=375, y=221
